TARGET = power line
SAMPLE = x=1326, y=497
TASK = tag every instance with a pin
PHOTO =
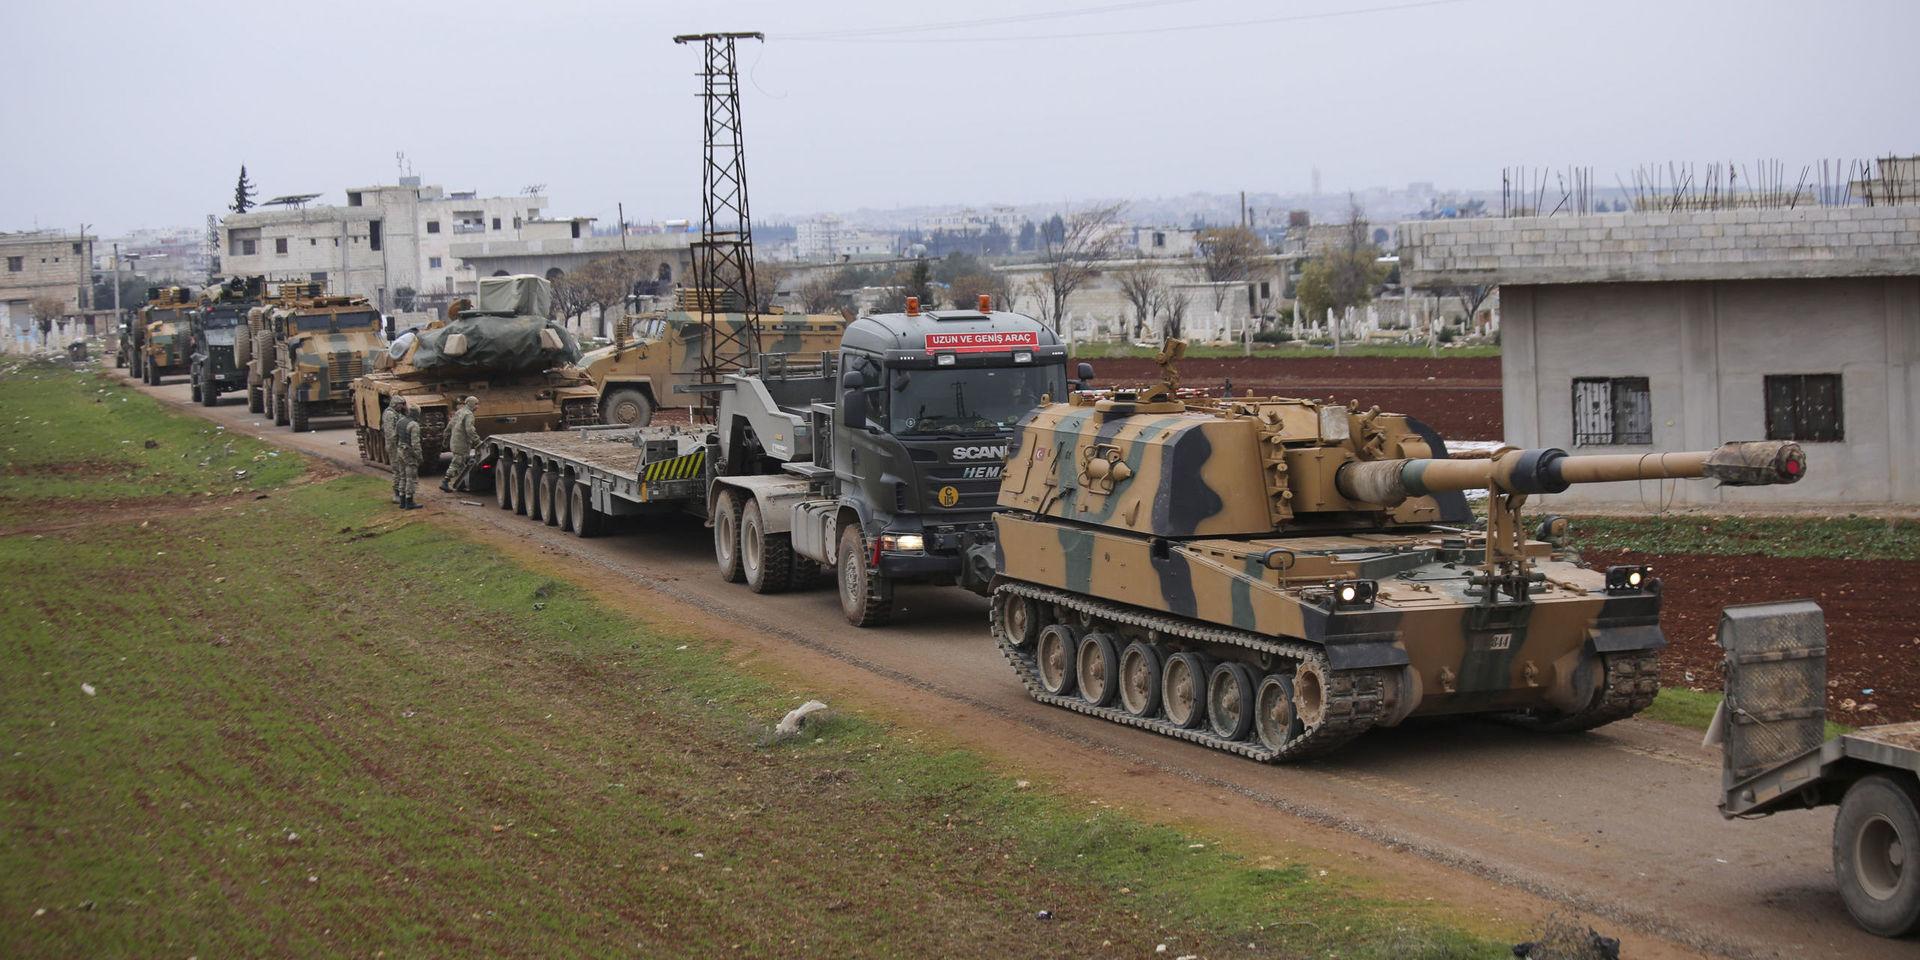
x=1175, y=28
x=984, y=21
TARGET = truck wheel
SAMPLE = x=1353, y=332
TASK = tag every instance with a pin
x=1876, y=841
x=726, y=535
x=863, y=595
x=1183, y=688
x=1230, y=701
x=626, y=408
x=297, y=414
x=1053, y=659
x=1096, y=668
x=256, y=402
x=586, y=520
x=766, y=559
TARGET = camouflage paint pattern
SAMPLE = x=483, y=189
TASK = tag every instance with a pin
x=662, y=355
x=1248, y=514
x=319, y=366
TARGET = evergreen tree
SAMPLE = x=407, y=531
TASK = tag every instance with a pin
x=242, y=193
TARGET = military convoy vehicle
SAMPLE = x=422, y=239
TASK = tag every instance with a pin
x=878, y=461
x=1776, y=757
x=218, y=326
x=317, y=347
x=505, y=351
x=161, y=338
x=654, y=358
x=1274, y=577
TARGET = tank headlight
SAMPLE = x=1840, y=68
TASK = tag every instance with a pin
x=903, y=542
x=1629, y=578
x=1354, y=593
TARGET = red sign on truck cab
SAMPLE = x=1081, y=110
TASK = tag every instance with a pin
x=986, y=342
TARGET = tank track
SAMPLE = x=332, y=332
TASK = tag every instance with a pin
x=1356, y=699
x=1631, y=681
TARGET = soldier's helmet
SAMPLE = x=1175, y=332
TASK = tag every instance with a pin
x=470, y=401
x=399, y=403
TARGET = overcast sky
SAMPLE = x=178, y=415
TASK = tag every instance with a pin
x=122, y=115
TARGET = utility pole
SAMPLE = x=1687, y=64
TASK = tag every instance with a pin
x=623, y=227
x=723, y=256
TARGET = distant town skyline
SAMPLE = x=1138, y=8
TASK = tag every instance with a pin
x=127, y=115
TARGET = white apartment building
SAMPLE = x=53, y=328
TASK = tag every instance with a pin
x=386, y=237
x=830, y=238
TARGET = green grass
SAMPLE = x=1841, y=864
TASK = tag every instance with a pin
x=1695, y=708
x=1846, y=538
x=1096, y=351
x=68, y=435
x=366, y=733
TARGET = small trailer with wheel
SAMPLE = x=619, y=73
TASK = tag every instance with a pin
x=879, y=462
x=1776, y=757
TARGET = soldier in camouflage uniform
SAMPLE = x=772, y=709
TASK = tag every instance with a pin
x=406, y=467
x=462, y=437
x=390, y=432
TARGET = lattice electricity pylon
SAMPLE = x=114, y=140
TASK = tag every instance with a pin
x=723, y=256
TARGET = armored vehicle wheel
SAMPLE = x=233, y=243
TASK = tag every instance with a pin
x=256, y=401
x=503, y=483
x=1230, y=700
x=280, y=414
x=1183, y=689
x=560, y=513
x=1876, y=843
x=1019, y=621
x=1054, y=659
x=865, y=599
x=193, y=388
x=1275, y=719
x=586, y=520
x=726, y=535
x=1096, y=668
x=297, y=416
x=766, y=559
x=1140, y=679
x=209, y=394
x=629, y=408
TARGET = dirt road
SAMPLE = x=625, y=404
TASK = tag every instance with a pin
x=1618, y=824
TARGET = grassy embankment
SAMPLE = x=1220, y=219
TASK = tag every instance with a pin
x=1096, y=351
x=307, y=725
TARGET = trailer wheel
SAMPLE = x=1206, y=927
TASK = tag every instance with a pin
x=766, y=559
x=864, y=598
x=562, y=515
x=503, y=481
x=586, y=520
x=530, y=491
x=626, y=408
x=1876, y=839
x=726, y=535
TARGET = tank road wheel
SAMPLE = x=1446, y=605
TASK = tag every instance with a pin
x=256, y=401
x=1053, y=659
x=1096, y=668
x=1140, y=679
x=626, y=408
x=1275, y=720
x=1183, y=689
x=586, y=520
x=1309, y=694
x=1019, y=620
x=863, y=595
x=726, y=535
x=766, y=559
x=1230, y=700
x=297, y=416
x=1876, y=843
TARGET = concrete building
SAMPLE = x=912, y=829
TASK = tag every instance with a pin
x=1101, y=311
x=43, y=263
x=1164, y=241
x=386, y=238
x=552, y=249
x=830, y=238
x=1640, y=332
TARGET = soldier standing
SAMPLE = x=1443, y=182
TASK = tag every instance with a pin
x=462, y=438
x=390, y=433
x=406, y=467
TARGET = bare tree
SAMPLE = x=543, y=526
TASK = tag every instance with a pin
x=965, y=290
x=569, y=297
x=1071, y=256
x=45, y=311
x=1227, y=257
x=1141, y=283
x=1471, y=296
x=1174, y=304
x=767, y=278
x=818, y=294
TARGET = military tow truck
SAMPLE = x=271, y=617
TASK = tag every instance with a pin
x=880, y=461
x=218, y=326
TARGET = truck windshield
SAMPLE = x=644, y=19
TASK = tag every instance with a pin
x=223, y=318
x=967, y=400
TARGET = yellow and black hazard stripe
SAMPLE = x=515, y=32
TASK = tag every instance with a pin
x=684, y=467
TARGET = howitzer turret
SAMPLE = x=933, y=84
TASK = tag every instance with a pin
x=1275, y=576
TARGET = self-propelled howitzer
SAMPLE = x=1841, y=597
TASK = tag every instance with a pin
x=1274, y=576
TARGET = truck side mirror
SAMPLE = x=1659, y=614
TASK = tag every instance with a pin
x=853, y=399
x=1085, y=372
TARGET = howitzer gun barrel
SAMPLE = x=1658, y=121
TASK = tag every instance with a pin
x=1551, y=470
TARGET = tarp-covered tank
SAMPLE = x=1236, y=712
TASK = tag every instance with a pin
x=1274, y=577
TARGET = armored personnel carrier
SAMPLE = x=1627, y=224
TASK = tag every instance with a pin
x=218, y=326
x=1274, y=577
x=504, y=351
x=655, y=357
x=318, y=346
x=161, y=338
